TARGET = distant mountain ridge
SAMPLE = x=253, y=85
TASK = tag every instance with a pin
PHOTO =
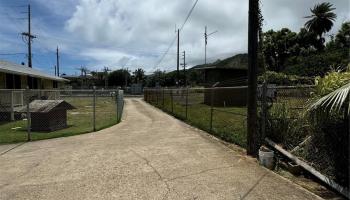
x=239, y=61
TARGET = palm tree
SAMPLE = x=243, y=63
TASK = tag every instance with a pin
x=139, y=75
x=83, y=74
x=321, y=20
x=335, y=101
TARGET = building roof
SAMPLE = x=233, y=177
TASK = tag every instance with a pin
x=44, y=106
x=70, y=77
x=13, y=68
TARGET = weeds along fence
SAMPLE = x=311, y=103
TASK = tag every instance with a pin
x=220, y=111
x=320, y=139
x=41, y=114
x=284, y=117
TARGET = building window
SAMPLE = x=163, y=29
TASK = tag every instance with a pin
x=13, y=81
x=9, y=81
x=17, y=81
x=55, y=84
x=32, y=82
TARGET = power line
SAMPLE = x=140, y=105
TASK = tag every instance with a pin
x=26, y=40
x=11, y=54
x=189, y=14
x=172, y=42
x=166, y=52
x=14, y=20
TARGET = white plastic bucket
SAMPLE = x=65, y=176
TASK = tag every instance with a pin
x=266, y=158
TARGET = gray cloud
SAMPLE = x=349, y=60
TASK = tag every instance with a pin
x=149, y=25
x=135, y=33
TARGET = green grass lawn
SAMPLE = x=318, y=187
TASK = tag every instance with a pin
x=229, y=123
x=80, y=121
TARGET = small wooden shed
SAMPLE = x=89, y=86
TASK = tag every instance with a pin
x=48, y=115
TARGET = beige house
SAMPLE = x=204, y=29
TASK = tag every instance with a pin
x=15, y=78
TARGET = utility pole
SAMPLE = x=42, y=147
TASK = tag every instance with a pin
x=178, y=57
x=206, y=43
x=252, y=132
x=55, y=70
x=184, y=65
x=30, y=37
x=57, y=62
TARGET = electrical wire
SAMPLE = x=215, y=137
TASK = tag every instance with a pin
x=11, y=54
x=189, y=14
x=173, y=41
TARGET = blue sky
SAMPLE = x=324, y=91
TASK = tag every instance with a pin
x=134, y=33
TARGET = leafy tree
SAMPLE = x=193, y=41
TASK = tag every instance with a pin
x=342, y=39
x=316, y=64
x=308, y=42
x=278, y=46
x=161, y=78
x=321, y=20
x=119, y=77
x=157, y=78
x=195, y=77
x=298, y=54
x=139, y=75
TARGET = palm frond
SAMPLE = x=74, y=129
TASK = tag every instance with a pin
x=334, y=101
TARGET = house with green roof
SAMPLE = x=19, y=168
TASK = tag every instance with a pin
x=231, y=71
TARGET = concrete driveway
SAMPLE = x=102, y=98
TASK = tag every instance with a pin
x=150, y=155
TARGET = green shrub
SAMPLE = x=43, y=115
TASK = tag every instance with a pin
x=317, y=64
x=332, y=81
x=284, y=79
x=285, y=128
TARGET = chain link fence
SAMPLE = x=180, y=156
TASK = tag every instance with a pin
x=319, y=139
x=219, y=111
x=41, y=114
x=284, y=117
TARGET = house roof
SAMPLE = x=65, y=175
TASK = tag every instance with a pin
x=87, y=76
x=13, y=68
x=44, y=106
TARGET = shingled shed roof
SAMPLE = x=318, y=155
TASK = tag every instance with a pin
x=44, y=106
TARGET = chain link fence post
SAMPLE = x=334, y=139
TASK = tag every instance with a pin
x=211, y=108
x=163, y=98
x=186, y=103
x=157, y=93
x=146, y=92
x=172, y=101
x=94, y=108
x=116, y=104
x=28, y=114
x=120, y=104
x=12, y=107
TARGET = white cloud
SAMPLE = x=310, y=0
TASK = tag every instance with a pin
x=135, y=33
x=149, y=26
